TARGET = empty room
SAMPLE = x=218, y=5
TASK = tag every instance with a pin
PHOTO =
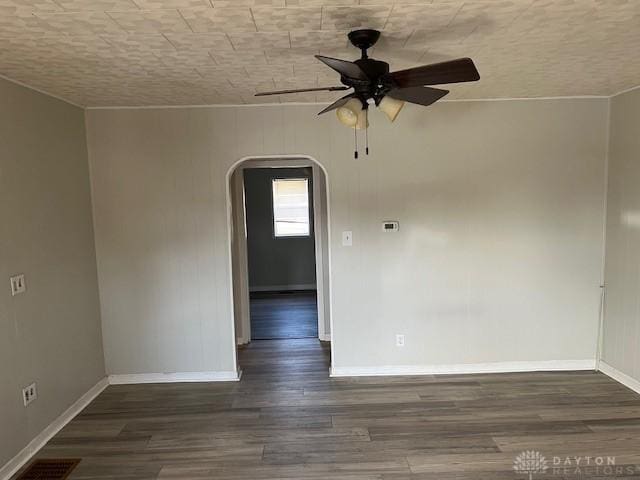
x=319, y=239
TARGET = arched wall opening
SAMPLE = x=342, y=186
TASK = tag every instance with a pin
x=237, y=242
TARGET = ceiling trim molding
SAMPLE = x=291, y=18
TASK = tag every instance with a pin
x=43, y=92
x=229, y=105
x=625, y=91
x=520, y=99
x=250, y=105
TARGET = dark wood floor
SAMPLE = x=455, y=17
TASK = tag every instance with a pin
x=284, y=315
x=287, y=420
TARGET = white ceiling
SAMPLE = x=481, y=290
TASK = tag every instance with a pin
x=189, y=52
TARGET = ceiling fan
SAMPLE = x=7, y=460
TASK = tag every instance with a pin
x=371, y=81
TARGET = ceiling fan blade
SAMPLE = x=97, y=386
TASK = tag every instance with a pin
x=316, y=89
x=453, y=71
x=338, y=103
x=420, y=95
x=343, y=67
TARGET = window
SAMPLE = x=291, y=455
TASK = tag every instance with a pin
x=291, y=207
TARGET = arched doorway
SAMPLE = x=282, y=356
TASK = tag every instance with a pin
x=239, y=246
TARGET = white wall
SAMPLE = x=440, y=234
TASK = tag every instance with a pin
x=621, y=335
x=51, y=333
x=497, y=259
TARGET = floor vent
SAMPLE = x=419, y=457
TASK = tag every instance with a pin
x=50, y=469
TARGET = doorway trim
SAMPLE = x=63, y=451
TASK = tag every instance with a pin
x=322, y=254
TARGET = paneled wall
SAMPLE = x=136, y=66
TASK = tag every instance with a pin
x=498, y=257
x=51, y=333
x=621, y=338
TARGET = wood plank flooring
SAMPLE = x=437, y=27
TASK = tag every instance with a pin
x=284, y=315
x=287, y=420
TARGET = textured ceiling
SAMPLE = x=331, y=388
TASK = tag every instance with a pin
x=188, y=52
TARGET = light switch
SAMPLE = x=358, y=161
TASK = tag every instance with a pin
x=347, y=239
x=18, y=284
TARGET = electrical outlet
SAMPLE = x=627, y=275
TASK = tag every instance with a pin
x=18, y=284
x=29, y=394
x=399, y=340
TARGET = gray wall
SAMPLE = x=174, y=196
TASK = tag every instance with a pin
x=275, y=263
x=498, y=258
x=50, y=334
x=621, y=336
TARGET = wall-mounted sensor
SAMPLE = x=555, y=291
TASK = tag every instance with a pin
x=390, y=226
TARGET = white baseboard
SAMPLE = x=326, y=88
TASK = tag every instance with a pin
x=620, y=377
x=17, y=462
x=177, y=377
x=282, y=288
x=466, y=368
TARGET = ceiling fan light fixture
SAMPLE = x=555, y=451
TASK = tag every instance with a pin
x=373, y=83
x=352, y=114
x=391, y=107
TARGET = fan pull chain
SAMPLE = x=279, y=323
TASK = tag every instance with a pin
x=355, y=136
x=366, y=131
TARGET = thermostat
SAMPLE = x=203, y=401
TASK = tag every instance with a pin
x=390, y=226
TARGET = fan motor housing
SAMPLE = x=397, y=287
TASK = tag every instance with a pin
x=374, y=87
x=373, y=68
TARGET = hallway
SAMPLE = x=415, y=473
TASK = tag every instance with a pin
x=278, y=315
x=287, y=419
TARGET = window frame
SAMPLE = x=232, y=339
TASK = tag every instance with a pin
x=309, y=207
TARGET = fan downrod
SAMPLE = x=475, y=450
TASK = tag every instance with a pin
x=364, y=39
